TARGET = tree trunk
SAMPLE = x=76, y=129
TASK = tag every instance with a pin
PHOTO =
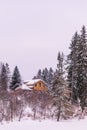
x=20, y=116
x=58, y=115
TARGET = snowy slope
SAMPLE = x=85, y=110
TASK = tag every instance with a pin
x=45, y=125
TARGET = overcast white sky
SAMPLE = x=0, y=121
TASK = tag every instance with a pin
x=33, y=31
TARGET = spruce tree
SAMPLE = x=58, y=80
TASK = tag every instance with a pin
x=39, y=75
x=72, y=67
x=16, y=79
x=60, y=91
x=8, y=75
x=50, y=76
x=45, y=75
x=82, y=69
x=4, y=77
x=77, y=69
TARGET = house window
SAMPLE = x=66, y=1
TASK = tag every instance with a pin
x=40, y=84
x=35, y=85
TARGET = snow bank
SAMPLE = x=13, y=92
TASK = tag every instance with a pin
x=45, y=125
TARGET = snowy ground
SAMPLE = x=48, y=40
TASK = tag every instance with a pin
x=45, y=125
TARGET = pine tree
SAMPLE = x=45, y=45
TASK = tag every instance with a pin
x=60, y=91
x=45, y=75
x=4, y=78
x=50, y=76
x=16, y=79
x=77, y=69
x=72, y=67
x=8, y=75
x=82, y=69
x=39, y=75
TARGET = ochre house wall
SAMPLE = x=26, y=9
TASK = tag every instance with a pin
x=40, y=86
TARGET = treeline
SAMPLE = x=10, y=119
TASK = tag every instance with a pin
x=67, y=90
x=72, y=72
x=9, y=81
x=46, y=75
x=54, y=103
x=77, y=68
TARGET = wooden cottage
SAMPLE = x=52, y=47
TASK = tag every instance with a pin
x=36, y=84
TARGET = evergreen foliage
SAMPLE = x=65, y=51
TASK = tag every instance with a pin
x=39, y=75
x=82, y=68
x=77, y=69
x=50, y=76
x=46, y=75
x=61, y=92
x=16, y=79
x=5, y=77
x=72, y=68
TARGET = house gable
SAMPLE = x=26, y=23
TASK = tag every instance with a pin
x=40, y=86
x=37, y=84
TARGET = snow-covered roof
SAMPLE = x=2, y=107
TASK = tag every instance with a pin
x=33, y=81
x=23, y=87
x=29, y=84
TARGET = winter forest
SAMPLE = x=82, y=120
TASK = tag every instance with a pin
x=66, y=96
